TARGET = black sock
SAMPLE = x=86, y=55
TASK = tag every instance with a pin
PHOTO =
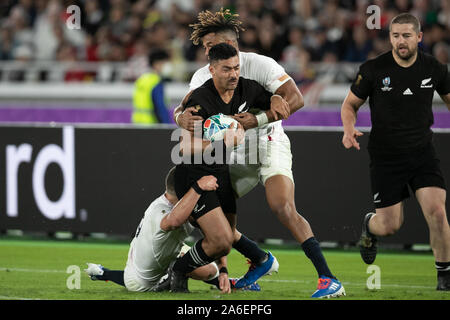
x=115, y=276
x=194, y=258
x=250, y=250
x=214, y=282
x=312, y=250
x=443, y=268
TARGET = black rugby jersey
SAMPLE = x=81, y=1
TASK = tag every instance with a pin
x=248, y=94
x=400, y=100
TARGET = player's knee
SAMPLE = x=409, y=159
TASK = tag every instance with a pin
x=284, y=209
x=223, y=248
x=222, y=244
x=437, y=215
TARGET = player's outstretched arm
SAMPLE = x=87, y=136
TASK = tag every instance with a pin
x=183, y=209
x=349, y=109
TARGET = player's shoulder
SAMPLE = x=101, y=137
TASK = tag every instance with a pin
x=249, y=84
x=382, y=60
x=428, y=59
x=202, y=95
x=256, y=58
x=204, y=89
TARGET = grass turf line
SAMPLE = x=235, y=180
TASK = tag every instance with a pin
x=37, y=270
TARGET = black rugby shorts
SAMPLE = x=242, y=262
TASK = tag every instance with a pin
x=186, y=175
x=392, y=174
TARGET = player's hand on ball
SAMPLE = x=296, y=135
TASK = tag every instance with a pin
x=234, y=137
x=208, y=183
x=349, y=138
x=187, y=119
x=246, y=119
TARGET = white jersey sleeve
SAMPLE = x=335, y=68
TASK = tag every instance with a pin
x=200, y=77
x=264, y=70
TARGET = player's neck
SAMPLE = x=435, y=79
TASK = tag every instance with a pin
x=404, y=63
x=225, y=94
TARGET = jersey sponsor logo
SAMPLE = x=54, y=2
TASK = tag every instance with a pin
x=358, y=80
x=407, y=92
x=426, y=83
x=386, y=82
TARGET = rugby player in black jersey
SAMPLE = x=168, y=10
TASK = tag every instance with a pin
x=400, y=85
x=215, y=211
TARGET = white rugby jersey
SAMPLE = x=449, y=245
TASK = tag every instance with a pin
x=264, y=70
x=153, y=249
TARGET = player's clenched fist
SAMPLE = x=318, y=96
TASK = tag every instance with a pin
x=208, y=183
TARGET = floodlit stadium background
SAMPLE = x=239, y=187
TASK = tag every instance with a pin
x=54, y=74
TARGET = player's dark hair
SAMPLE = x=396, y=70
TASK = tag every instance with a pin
x=218, y=22
x=170, y=182
x=404, y=18
x=157, y=55
x=221, y=51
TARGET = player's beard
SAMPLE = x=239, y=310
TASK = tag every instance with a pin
x=407, y=55
x=232, y=84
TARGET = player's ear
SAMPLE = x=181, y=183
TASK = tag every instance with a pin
x=211, y=69
x=420, y=35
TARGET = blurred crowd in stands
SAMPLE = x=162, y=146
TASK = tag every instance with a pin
x=293, y=32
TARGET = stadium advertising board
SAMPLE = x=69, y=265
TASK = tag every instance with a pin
x=101, y=179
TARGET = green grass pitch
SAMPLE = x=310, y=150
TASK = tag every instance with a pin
x=37, y=269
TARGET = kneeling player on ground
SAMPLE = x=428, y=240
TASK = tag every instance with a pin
x=159, y=240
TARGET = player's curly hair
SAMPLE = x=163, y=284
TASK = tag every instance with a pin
x=219, y=21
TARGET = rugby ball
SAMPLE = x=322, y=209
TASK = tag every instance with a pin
x=215, y=127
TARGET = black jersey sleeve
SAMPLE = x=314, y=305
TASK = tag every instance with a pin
x=363, y=83
x=443, y=76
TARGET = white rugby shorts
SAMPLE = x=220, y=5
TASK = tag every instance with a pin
x=134, y=282
x=276, y=160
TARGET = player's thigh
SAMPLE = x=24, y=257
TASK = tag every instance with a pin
x=432, y=202
x=232, y=220
x=280, y=192
x=216, y=228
